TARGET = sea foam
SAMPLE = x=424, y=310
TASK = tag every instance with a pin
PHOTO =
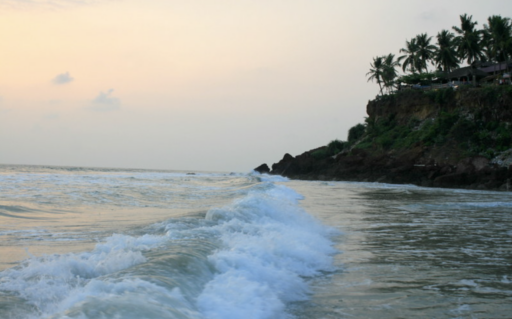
x=248, y=259
x=269, y=245
x=45, y=282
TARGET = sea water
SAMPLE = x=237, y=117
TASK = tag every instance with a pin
x=117, y=243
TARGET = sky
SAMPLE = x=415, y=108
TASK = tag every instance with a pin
x=197, y=85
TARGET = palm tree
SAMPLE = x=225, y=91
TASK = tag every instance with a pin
x=377, y=71
x=389, y=75
x=410, y=56
x=446, y=54
x=485, y=43
x=425, y=51
x=498, y=34
x=468, y=41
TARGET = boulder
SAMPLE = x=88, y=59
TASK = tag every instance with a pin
x=262, y=169
x=480, y=162
x=281, y=167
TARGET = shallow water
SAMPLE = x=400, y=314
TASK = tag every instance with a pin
x=108, y=243
x=411, y=252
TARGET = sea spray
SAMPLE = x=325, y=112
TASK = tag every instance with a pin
x=444, y=251
x=269, y=245
x=247, y=259
x=47, y=282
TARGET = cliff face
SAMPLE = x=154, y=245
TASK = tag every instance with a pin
x=488, y=104
x=413, y=104
x=443, y=138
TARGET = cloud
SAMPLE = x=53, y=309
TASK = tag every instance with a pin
x=105, y=102
x=62, y=78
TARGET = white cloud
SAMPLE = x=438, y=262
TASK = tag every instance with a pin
x=62, y=78
x=105, y=102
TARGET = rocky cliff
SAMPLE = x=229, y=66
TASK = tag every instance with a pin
x=445, y=138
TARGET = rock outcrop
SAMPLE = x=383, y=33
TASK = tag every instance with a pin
x=470, y=172
x=437, y=139
x=262, y=169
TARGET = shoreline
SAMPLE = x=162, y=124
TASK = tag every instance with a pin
x=476, y=173
x=444, y=138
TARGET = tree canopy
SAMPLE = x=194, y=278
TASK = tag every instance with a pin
x=468, y=45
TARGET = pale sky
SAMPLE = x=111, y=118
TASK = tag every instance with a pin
x=212, y=85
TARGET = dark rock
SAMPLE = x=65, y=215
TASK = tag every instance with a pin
x=480, y=163
x=262, y=169
x=465, y=166
x=281, y=166
x=359, y=152
x=399, y=168
x=451, y=180
x=441, y=158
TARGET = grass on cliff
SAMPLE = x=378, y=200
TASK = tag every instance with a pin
x=337, y=146
x=480, y=131
x=441, y=96
x=473, y=136
x=488, y=94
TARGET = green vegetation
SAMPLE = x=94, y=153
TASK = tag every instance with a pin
x=474, y=128
x=337, y=146
x=446, y=55
x=383, y=71
x=333, y=148
x=469, y=42
x=420, y=78
x=356, y=132
x=481, y=131
x=441, y=96
x=493, y=43
x=319, y=154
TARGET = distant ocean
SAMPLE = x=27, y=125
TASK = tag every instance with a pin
x=123, y=243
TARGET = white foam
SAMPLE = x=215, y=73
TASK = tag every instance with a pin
x=128, y=298
x=269, y=178
x=46, y=281
x=269, y=245
x=462, y=309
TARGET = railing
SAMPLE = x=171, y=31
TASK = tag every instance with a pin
x=453, y=84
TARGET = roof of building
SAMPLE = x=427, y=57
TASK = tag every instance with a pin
x=466, y=72
x=495, y=67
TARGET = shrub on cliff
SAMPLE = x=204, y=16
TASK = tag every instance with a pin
x=441, y=96
x=337, y=146
x=334, y=147
x=319, y=154
x=356, y=132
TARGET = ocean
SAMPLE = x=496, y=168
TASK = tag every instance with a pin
x=125, y=243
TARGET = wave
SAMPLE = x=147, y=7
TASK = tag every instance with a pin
x=248, y=259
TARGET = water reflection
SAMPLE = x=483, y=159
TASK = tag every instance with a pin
x=411, y=252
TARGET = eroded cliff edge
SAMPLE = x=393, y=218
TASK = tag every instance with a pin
x=445, y=138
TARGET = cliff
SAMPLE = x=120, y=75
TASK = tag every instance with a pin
x=445, y=138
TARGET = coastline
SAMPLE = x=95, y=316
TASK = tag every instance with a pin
x=443, y=138
x=470, y=173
